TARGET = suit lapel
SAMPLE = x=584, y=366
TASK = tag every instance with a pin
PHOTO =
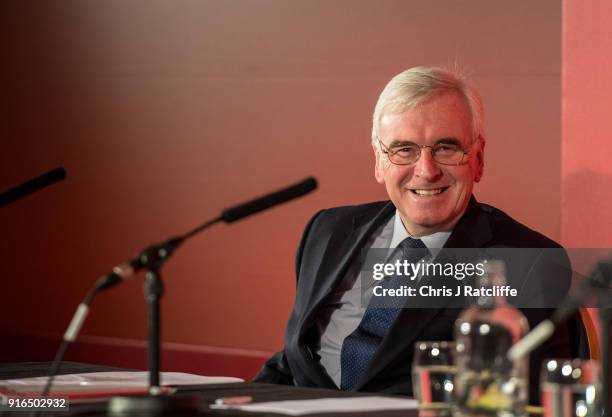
x=342, y=249
x=472, y=231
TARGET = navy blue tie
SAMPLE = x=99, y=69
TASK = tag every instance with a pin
x=358, y=348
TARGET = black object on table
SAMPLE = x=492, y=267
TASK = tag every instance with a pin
x=206, y=393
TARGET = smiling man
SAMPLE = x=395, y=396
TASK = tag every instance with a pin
x=429, y=157
x=428, y=140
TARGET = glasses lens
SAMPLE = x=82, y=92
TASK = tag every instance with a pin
x=447, y=154
x=404, y=155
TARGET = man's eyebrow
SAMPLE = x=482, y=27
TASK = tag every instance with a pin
x=448, y=141
x=399, y=142
x=442, y=141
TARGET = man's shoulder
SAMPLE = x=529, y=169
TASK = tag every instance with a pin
x=352, y=211
x=508, y=231
x=339, y=219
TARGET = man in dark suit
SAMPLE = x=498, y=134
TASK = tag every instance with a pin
x=428, y=140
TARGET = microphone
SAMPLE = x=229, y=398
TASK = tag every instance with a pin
x=156, y=254
x=262, y=203
x=598, y=280
x=152, y=258
x=32, y=186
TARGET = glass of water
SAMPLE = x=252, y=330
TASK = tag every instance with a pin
x=570, y=388
x=433, y=377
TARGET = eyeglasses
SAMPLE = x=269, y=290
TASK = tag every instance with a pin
x=408, y=154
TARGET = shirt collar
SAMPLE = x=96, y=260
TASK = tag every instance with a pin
x=433, y=241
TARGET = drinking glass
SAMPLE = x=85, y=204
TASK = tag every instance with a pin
x=433, y=376
x=570, y=388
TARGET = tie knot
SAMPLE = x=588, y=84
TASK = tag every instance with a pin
x=413, y=250
x=410, y=243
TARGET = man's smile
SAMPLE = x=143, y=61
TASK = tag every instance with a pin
x=428, y=192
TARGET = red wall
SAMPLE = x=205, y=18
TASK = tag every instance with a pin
x=586, y=209
x=586, y=204
x=165, y=112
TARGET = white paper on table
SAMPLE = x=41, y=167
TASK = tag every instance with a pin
x=111, y=380
x=326, y=405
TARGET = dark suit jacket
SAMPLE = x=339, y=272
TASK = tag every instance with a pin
x=329, y=244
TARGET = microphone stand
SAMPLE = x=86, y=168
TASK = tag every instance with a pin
x=154, y=289
x=156, y=403
x=152, y=259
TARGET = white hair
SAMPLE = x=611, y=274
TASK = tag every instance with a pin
x=417, y=85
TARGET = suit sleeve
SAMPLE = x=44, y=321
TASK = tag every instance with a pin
x=277, y=370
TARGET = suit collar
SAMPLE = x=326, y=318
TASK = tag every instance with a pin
x=373, y=216
x=473, y=230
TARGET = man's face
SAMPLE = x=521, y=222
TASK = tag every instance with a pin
x=430, y=197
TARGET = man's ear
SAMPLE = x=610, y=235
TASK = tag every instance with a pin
x=479, y=172
x=379, y=172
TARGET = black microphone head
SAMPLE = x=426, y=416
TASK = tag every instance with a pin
x=56, y=174
x=32, y=186
x=262, y=203
x=310, y=183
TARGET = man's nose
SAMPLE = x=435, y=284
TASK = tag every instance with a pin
x=426, y=167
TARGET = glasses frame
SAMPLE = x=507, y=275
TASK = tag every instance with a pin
x=384, y=149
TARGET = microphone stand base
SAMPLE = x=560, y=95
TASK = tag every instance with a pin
x=154, y=405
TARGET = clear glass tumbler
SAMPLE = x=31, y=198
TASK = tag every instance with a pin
x=570, y=388
x=433, y=377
